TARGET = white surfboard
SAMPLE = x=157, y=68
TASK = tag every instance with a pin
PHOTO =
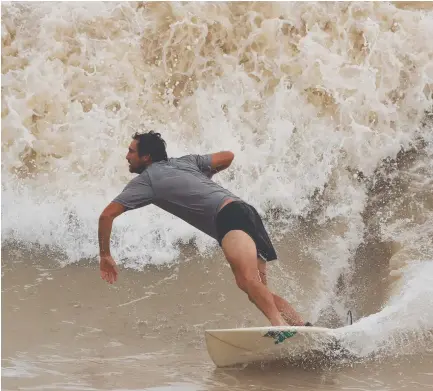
x=229, y=347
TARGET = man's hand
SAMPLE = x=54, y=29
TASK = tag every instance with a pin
x=107, y=265
x=108, y=269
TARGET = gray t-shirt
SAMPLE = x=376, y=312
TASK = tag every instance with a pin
x=181, y=186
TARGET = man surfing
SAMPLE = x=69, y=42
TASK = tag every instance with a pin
x=183, y=187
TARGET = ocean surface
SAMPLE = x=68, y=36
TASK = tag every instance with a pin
x=328, y=110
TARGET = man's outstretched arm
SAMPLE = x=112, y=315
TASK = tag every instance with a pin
x=105, y=224
x=221, y=160
x=107, y=265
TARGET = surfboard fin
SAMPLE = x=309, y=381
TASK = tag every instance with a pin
x=349, y=318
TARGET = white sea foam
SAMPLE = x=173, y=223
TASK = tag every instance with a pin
x=304, y=94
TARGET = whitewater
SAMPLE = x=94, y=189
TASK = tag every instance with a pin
x=328, y=110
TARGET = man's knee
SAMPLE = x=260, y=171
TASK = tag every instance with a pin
x=244, y=281
x=241, y=282
x=245, y=285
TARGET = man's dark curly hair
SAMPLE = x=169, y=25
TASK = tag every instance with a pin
x=152, y=144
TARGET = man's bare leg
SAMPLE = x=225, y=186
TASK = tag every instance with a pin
x=240, y=251
x=287, y=311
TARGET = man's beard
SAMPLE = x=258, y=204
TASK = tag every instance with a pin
x=136, y=170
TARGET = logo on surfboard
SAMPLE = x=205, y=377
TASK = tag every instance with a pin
x=280, y=336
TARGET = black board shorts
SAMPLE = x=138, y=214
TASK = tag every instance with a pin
x=238, y=215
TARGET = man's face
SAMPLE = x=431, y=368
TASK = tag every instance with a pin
x=137, y=164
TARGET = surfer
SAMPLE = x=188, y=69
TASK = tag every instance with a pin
x=183, y=187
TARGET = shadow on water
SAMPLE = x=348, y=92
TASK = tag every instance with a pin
x=311, y=371
x=325, y=371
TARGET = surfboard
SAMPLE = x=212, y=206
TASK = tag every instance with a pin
x=228, y=347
